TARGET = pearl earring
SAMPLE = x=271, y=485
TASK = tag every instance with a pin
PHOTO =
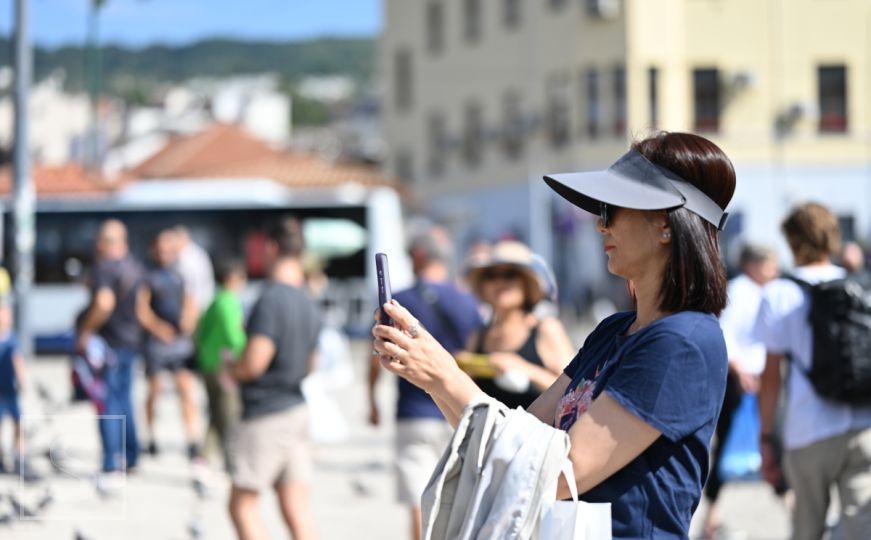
x=666, y=235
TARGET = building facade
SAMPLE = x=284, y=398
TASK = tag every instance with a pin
x=482, y=97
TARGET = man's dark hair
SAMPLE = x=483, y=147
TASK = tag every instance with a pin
x=812, y=232
x=695, y=276
x=228, y=267
x=287, y=236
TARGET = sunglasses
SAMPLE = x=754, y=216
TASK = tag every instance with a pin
x=508, y=274
x=606, y=214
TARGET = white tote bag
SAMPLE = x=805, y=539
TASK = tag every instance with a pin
x=574, y=519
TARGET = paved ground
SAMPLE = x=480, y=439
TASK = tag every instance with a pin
x=353, y=488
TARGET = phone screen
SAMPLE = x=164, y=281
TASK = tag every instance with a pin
x=384, y=292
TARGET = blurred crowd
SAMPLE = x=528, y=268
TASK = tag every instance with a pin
x=184, y=322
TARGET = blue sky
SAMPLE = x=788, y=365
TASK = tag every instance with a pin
x=145, y=22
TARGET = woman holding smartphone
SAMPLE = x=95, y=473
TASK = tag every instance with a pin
x=640, y=400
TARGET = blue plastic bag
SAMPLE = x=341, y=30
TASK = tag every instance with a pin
x=740, y=458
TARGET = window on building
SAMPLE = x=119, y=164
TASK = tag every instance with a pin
x=513, y=132
x=593, y=108
x=405, y=166
x=706, y=99
x=403, y=88
x=437, y=143
x=473, y=134
x=558, y=109
x=512, y=12
x=472, y=20
x=435, y=26
x=653, y=96
x=832, y=89
x=602, y=9
x=619, y=82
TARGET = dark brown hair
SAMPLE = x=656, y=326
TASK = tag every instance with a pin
x=288, y=237
x=812, y=233
x=695, y=277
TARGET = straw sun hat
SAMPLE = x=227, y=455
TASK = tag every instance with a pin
x=537, y=281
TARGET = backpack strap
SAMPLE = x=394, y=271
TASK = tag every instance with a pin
x=807, y=288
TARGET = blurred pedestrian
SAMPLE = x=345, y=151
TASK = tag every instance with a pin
x=270, y=446
x=12, y=382
x=746, y=358
x=853, y=258
x=112, y=314
x=220, y=339
x=528, y=352
x=195, y=266
x=640, y=400
x=827, y=443
x=168, y=313
x=451, y=315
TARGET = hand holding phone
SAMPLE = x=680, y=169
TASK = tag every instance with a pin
x=384, y=292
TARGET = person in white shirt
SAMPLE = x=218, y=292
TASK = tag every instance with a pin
x=746, y=355
x=826, y=444
x=196, y=268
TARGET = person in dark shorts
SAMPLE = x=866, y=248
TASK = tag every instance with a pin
x=270, y=446
x=111, y=314
x=168, y=314
x=451, y=315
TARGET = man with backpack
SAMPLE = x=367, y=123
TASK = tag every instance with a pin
x=451, y=315
x=817, y=320
x=111, y=314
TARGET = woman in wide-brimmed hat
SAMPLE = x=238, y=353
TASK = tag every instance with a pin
x=640, y=400
x=517, y=355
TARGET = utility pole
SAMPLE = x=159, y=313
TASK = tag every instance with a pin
x=24, y=218
x=93, y=65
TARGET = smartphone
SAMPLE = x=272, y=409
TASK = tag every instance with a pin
x=384, y=292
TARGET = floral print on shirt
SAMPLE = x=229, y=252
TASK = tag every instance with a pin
x=575, y=403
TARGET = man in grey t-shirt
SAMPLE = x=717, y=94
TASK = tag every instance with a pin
x=270, y=445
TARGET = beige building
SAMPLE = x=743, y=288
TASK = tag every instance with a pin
x=483, y=96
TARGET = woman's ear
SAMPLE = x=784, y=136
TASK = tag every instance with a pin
x=663, y=227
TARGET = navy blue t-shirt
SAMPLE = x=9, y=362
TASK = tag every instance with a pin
x=167, y=294
x=123, y=277
x=450, y=315
x=672, y=375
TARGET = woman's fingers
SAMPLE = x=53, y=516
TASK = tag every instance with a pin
x=393, y=350
x=388, y=333
x=400, y=315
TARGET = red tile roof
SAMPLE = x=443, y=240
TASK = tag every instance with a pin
x=61, y=180
x=227, y=151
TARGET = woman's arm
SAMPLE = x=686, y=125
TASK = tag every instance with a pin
x=544, y=406
x=604, y=440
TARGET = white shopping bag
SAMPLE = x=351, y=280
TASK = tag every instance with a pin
x=574, y=519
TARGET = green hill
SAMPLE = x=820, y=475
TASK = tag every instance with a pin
x=126, y=68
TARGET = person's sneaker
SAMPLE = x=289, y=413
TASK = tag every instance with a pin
x=110, y=484
x=153, y=451
x=194, y=452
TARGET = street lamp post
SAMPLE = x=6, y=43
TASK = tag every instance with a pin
x=24, y=226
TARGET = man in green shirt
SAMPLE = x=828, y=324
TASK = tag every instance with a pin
x=220, y=340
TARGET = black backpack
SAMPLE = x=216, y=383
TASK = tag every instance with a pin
x=840, y=317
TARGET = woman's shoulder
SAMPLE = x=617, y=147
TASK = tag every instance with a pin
x=610, y=326
x=684, y=330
